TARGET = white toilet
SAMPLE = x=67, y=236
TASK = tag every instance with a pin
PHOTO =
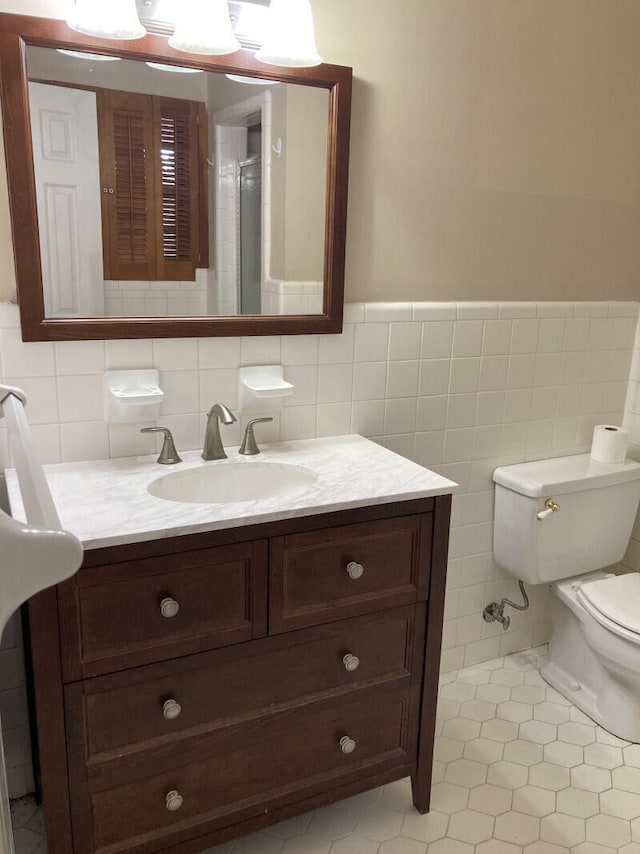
x=558, y=521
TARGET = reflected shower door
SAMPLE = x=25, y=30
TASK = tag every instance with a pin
x=250, y=236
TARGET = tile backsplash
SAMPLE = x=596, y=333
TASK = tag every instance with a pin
x=458, y=387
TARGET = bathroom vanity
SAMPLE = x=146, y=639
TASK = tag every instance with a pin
x=213, y=669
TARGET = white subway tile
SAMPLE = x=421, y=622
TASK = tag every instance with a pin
x=84, y=440
x=25, y=359
x=369, y=380
x=624, y=309
x=79, y=357
x=371, y=342
x=81, y=397
x=434, y=376
x=218, y=353
x=402, y=379
x=304, y=379
x=431, y=413
x=175, y=354
x=461, y=410
x=576, y=336
x=429, y=448
x=300, y=349
x=298, y=422
x=458, y=445
x=376, y=312
x=435, y=311
x=400, y=416
x=490, y=407
x=496, y=338
x=464, y=375
x=521, y=371
x=129, y=354
x=477, y=310
x=555, y=309
x=353, y=312
x=335, y=383
x=337, y=348
x=624, y=333
x=467, y=338
x=181, y=392
x=437, y=337
x=524, y=336
x=404, y=341
x=493, y=373
x=591, y=309
x=217, y=386
x=46, y=438
x=261, y=350
x=367, y=417
x=551, y=335
x=513, y=310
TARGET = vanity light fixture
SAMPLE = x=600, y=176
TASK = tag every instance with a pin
x=114, y=19
x=204, y=27
x=209, y=27
x=289, y=38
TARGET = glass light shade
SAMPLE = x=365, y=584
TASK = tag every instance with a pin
x=93, y=57
x=253, y=81
x=289, y=38
x=108, y=19
x=204, y=27
x=176, y=69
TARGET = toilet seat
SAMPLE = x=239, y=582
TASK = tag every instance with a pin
x=614, y=602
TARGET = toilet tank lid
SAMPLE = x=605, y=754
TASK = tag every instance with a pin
x=564, y=474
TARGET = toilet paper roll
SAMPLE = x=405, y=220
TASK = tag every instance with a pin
x=609, y=444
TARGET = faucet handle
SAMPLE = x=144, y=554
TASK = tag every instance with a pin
x=249, y=446
x=168, y=454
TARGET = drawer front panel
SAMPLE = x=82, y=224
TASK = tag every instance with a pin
x=150, y=610
x=348, y=570
x=257, y=764
x=140, y=709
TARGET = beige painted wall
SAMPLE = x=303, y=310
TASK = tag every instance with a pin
x=495, y=147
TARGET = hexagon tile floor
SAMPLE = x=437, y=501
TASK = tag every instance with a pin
x=518, y=770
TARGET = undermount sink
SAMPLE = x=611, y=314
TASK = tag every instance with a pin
x=226, y=483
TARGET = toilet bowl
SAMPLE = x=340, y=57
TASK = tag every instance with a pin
x=594, y=654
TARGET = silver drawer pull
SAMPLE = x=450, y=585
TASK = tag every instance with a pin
x=169, y=607
x=355, y=570
x=347, y=744
x=174, y=800
x=171, y=709
x=351, y=662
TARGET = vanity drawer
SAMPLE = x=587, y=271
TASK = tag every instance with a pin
x=341, y=572
x=248, y=768
x=133, y=613
x=140, y=709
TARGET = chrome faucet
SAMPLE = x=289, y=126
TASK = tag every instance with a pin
x=213, y=447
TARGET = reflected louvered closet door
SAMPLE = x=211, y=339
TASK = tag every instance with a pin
x=176, y=127
x=128, y=185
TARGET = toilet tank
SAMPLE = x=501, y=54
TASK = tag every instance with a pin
x=597, y=503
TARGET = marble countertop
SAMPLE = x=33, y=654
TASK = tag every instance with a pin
x=106, y=502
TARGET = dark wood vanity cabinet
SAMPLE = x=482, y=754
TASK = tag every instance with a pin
x=194, y=689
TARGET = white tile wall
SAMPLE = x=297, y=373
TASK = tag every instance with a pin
x=145, y=299
x=460, y=388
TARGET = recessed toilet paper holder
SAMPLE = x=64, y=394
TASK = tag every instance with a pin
x=495, y=610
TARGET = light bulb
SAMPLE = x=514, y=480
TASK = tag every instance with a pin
x=289, y=38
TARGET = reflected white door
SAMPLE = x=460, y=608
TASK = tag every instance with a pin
x=64, y=130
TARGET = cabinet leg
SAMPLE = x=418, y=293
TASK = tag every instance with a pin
x=421, y=792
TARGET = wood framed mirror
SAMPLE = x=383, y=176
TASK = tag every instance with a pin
x=208, y=208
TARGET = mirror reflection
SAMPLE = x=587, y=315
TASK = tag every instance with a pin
x=163, y=193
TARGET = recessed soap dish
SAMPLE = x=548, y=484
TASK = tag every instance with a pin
x=132, y=396
x=262, y=388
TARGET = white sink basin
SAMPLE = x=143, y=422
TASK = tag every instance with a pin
x=225, y=483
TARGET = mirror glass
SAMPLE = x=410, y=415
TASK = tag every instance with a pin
x=162, y=193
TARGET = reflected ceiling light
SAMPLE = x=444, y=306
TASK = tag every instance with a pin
x=114, y=19
x=204, y=27
x=289, y=37
x=177, y=69
x=94, y=57
x=255, y=81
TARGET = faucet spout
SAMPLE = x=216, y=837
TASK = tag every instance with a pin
x=213, y=448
